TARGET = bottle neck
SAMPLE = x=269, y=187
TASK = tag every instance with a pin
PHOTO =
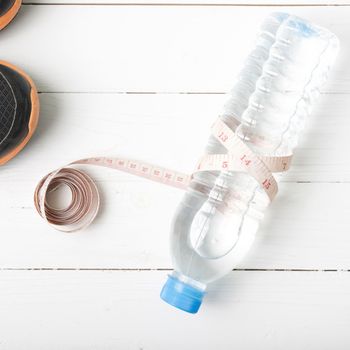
x=188, y=280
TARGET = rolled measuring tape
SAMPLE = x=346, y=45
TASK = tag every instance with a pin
x=85, y=201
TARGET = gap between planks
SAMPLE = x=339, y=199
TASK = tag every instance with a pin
x=183, y=4
x=159, y=269
x=157, y=93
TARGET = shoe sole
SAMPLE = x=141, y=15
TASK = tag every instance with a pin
x=10, y=14
x=34, y=114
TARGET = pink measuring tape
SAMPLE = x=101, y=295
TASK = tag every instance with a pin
x=86, y=200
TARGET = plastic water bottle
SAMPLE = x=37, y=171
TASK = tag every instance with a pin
x=272, y=97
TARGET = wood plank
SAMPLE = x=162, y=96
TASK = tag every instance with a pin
x=191, y=2
x=149, y=48
x=307, y=226
x=246, y=310
x=73, y=126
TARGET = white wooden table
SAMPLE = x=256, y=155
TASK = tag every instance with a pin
x=105, y=66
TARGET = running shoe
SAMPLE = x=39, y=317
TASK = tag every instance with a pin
x=8, y=11
x=19, y=110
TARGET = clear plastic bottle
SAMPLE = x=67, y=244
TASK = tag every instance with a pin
x=216, y=222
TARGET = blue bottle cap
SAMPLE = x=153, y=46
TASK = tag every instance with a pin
x=182, y=295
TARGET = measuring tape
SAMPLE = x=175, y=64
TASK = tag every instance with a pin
x=85, y=201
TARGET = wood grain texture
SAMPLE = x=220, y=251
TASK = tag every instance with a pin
x=306, y=227
x=122, y=310
x=150, y=48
